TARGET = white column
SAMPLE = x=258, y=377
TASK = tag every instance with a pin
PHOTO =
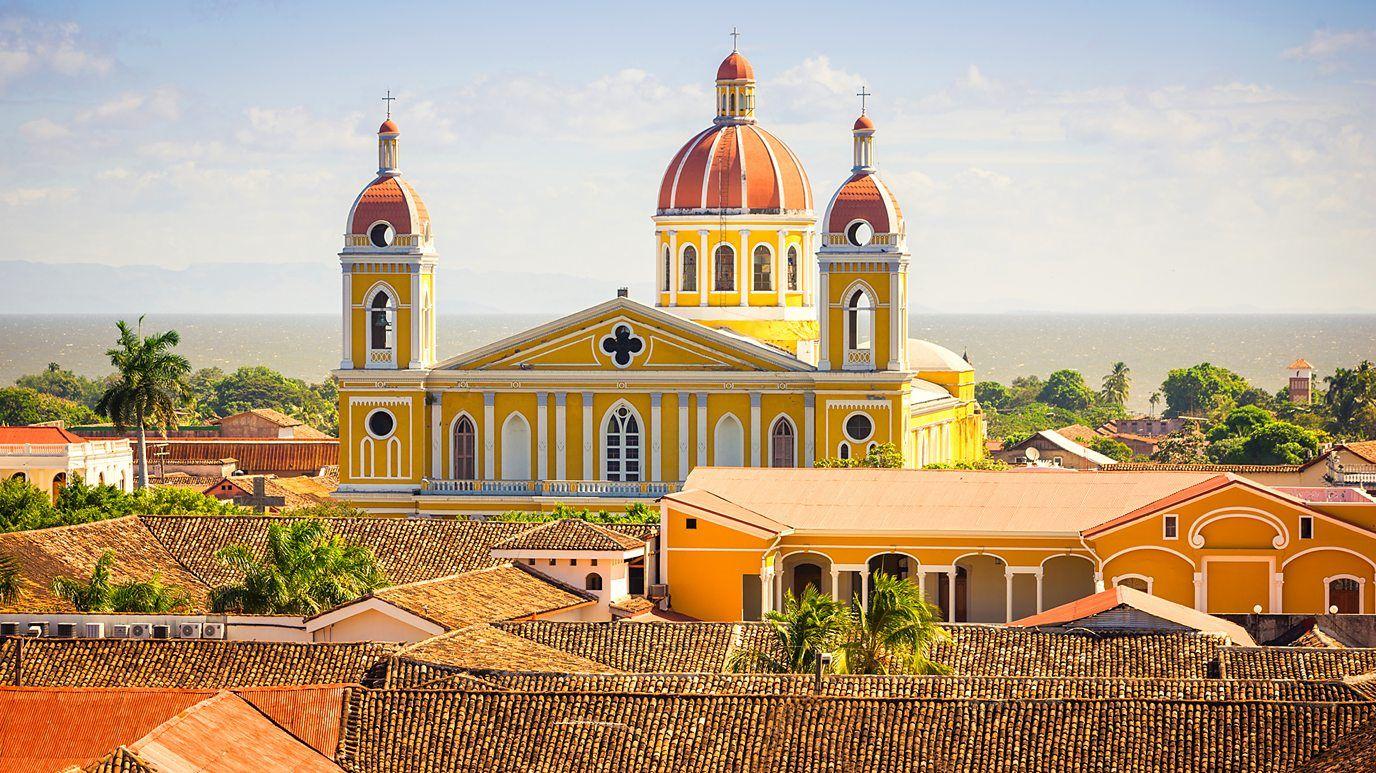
x=895, y=322
x=780, y=270
x=415, y=318
x=1039, y=590
x=1199, y=599
x=922, y=580
x=587, y=437
x=488, y=430
x=347, y=361
x=823, y=323
x=1007, y=595
x=865, y=587
x=561, y=451
x=436, y=439
x=1098, y=581
x=542, y=431
x=835, y=584
x=704, y=265
x=951, y=595
x=754, y=429
x=807, y=267
x=682, y=435
x=656, y=447
x=745, y=279
x=1278, y=588
x=677, y=263
x=659, y=267
x=702, y=429
x=809, y=428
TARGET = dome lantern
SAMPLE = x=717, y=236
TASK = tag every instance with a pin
x=735, y=87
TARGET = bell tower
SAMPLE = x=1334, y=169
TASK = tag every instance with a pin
x=388, y=264
x=863, y=268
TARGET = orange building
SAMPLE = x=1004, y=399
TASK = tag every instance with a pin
x=999, y=546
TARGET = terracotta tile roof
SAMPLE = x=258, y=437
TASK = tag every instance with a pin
x=1241, y=469
x=447, y=730
x=484, y=646
x=38, y=435
x=490, y=595
x=121, y=760
x=1299, y=363
x=1366, y=449
x=267, y=414
x=569, y=534
x=298, y=491
x=1355, y=753
x=631, y=606
x=1079, y=433
x=1120, y=597
x=188, y=664
x=986, y=650
x=969, y=687
x=72, y=551
x=643, y=647
x=297, y=455
x=1296, y=662
x=226, y=733
x=1325, y=493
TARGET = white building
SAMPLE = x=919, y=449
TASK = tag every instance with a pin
x=49, y=457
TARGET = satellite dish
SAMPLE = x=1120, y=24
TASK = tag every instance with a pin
x=1032, y=454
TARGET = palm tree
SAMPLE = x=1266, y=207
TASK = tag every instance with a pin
x=92, y=595
x=1116, y=384
x=893, y=633
x=149, y=385
x=807, y=627
x=98, y=594
x=1155, y=400
x=306, y=568
x=10, y=582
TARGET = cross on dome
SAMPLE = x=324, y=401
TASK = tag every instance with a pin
x=863, y=94
x=735, y=39
x=388, y=100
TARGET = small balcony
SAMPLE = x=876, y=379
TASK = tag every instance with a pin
x=559, y=489
x=858, y=359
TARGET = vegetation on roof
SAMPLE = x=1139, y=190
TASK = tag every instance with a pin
x=23, y=506
x=99, y=593
x=637, y=512
x=306, y=568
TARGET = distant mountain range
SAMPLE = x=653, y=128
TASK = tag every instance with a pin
x=268, y=288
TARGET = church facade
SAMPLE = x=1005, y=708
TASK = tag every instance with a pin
x=774, y=340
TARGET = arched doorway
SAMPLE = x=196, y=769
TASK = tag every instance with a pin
x=799, y=570
x=1065, y=579
x=729, y=440
x=516, y=448
x=782, y=448
x=465, y=449
x=1344, y=596
x=59, y=483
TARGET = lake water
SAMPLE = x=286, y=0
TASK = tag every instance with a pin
x=1002, y=346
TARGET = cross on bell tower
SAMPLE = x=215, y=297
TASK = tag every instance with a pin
x=863, y=94
x=388, y=100
x=735, y=39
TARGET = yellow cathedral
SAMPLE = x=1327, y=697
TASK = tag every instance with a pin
x=773, y=341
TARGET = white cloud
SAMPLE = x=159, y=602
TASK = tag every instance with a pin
x=1324, y=45
x=18, y=197
x=297, y=129
x=162, y=103
x=31, y=46
x=43, y=130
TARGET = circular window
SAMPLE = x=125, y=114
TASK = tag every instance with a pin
x=859, y=233
x=381, y=423
x=381, y=235
x=859, y=427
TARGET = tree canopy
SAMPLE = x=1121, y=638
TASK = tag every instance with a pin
x=305, y=569
x=24, y=405
x=1198, y=389
x=1066, y=389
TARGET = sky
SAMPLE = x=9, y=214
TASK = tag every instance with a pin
x=1069, y=157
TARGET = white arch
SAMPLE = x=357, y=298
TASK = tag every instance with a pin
x=978, y=553
x=515, y=447
x=1116, y=580
x=393, y=456
x=1282, y=538
x=712, y=267
x=1125, y=551
x=364, y=465
x=1328, y=591
x=793, y=427
x=1349, y=551
x=1042, y=564
x=728, y=442
x=805, y=552
x=859, y=286
x=643, y=431
x=380, y=286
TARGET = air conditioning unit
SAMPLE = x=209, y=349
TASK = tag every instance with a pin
x=66, y=630
x=189, y=630
x=213, y=631
x=141, y=631
x=9, y=629
x=119, y=631
x=162, y=632
x=659, y=591
x=95, y=630
x=38, y=628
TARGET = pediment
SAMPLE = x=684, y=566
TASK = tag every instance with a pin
x=623, y=335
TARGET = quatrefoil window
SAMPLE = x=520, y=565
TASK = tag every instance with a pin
x=622, y=345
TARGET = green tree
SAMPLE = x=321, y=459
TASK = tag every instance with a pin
x=883, y=455
x=636, y=512
x=807, y=627
x=1184, y=447
x=1196, y=390
x=259, y=386
x=21, y=405
x=60, y=382
x=1154, y=400
x=99, y=594
x=93, y=595
x=1240, y=422
x=1111, y=447
x=893, y=634
x=1279, y=442
x=1025, y=389
x=23, y=506
x=1117, y=384
x=149, y=387
x=1350, y=397
x=992, y=394
x=305, y=569
x=11, y=582
x=1066, y=389
x=982, y=464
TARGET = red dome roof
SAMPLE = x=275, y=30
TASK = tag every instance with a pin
x=388, y=127
x=735, y=166
x=735, y=68
x=863, y=197
x=391, y=199
x=864, y=122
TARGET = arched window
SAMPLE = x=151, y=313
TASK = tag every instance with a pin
x=724, y=269
x=465, y=450
x=381, y=315
x=1134, y=582
x=763, y=276
x=516, y=448
x=730, y=442
x=19, y=476
x=622, y=449
x=733, y=102
x=1344, y=595
x=689, y=282
x=844, y=451
x=668, y=271
x=593, y=581
x=792, y=267
x=781, y=445
x=859, y=320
